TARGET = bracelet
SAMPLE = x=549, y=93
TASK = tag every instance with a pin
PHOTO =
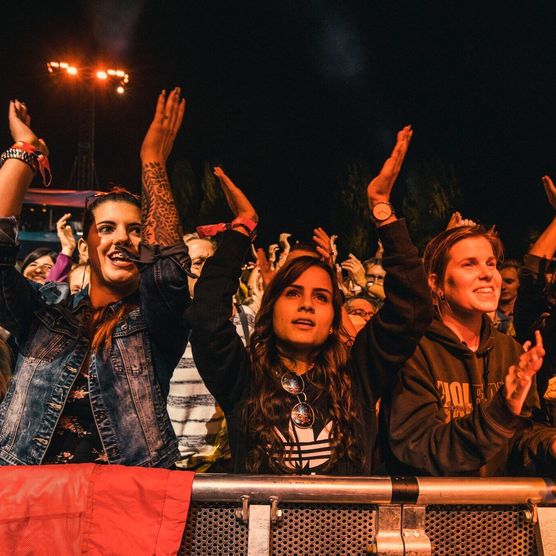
x=35, y=159
x=210, y=230
x=247, y=224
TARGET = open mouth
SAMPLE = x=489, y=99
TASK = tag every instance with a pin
x=118, y=258
x=304, y=323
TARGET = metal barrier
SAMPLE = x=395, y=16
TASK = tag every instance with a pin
x=332, y=516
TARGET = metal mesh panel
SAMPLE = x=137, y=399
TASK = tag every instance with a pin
x=480, y=531
x=338, y=529
x=326, y=529
x=212, y=528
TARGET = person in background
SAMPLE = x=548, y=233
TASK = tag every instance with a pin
x=79, y=277
x=361, y=309
x=535, y=307
x=196, y=417
x=38, y=263
x=504, y=319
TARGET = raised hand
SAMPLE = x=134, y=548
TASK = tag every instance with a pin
x=237, y=201
x=160, y=219
x=325, y=246
x=341, y=282
x=20, y=126
x=520, y=377
x=355, y=269
x=65, y=235
x=550, y=190
x=168, y=117
x=263, y=264
x=272, y=254
x=285, y=249
x=380, y=187
x=456, y=221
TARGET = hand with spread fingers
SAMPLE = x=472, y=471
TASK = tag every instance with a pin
x=168, y=117
x=520, y=377
x=237, y=201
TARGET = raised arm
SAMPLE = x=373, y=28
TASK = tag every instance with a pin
x=545, y=246
x=532, y=300
x=18, y=299
x=392, y=335
x=218, y=351
x=380, y=188
x=161, y=223
x=16, y=174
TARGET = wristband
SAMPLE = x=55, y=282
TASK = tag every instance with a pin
x=247, y=224
x=35, y=159
x=211, y=230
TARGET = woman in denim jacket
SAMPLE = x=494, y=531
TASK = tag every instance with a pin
x=93, y=371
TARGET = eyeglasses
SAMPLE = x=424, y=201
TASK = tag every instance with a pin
x=361, y=313
x=375, y=278
x=302, y=414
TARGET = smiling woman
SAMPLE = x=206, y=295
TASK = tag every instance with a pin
x=465, y=400
x=93, y=369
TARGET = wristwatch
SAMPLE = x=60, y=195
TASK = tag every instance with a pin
x=382, y=211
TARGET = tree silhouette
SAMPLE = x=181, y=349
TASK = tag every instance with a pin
x=432, y=195
x=214, y=207
x=351, y=214
x=187, y=195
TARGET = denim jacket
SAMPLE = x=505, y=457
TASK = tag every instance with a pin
x=128, y=386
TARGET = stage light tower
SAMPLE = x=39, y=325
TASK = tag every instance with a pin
x=83, y=173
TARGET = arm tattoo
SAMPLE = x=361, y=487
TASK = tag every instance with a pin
x=161, y=223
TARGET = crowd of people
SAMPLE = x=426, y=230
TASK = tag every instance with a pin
x=142, y=345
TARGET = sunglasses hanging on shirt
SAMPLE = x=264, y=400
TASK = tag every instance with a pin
x=302, y=414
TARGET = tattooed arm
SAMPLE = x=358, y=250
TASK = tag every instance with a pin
x=161, y=223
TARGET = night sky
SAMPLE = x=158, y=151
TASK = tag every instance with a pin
x=286, y=93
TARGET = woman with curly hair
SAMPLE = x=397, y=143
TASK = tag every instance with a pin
x=302, y=400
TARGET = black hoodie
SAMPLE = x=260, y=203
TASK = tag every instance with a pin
x=448, y=415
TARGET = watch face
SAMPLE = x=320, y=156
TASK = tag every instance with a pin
x=382, y=211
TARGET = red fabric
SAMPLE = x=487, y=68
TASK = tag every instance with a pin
x=92, y=510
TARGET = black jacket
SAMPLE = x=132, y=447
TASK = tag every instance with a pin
x=448, y=415
x=379, y=351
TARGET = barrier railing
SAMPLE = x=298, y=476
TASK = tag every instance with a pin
x=294, y=515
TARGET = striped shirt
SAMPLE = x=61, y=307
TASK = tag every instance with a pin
x=197, y=419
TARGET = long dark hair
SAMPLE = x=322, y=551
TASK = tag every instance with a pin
x=264, y=406
x=104, y=320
